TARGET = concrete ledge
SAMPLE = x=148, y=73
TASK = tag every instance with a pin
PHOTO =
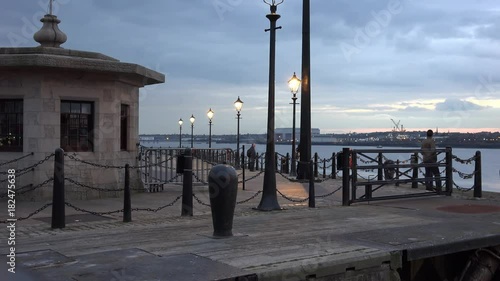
x=30, y=58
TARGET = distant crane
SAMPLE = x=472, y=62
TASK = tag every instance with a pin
x=396, y=125
x=398, y=130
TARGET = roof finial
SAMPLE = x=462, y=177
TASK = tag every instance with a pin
x=50, y=35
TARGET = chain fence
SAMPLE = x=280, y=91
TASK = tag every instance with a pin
x=317, y=162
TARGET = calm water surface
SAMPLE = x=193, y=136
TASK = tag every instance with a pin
x=490, y=159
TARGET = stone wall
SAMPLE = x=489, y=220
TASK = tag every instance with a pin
x=42, y=93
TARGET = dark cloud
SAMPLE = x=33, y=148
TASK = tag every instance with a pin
x=414, y=109
x=214, y=50
x=454, y=104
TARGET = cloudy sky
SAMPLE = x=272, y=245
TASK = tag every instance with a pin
x=426, y=63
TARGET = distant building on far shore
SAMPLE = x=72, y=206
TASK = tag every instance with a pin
x=286, y=134
x=84, y=102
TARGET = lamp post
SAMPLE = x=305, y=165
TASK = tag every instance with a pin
x=210, y=115
x=269, y=200
x=191, y=119
x=180, y=132
x=238, y=104
x=305, y=95
x=293, y=84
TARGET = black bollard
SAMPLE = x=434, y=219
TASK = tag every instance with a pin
x=223, y=188
x=58, y=205
x=127, y=205
x=187, y=184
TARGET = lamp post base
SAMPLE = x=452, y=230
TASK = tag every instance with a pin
x=267, y=205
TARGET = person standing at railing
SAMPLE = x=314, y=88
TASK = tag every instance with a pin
x=251, y=154
x=429, y=156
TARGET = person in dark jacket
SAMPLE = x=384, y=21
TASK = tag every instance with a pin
x=251, y=154
x=429, y=156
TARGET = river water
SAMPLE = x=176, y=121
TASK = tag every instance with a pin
x=490, y=159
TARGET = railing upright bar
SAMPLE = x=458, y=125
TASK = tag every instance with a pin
x=354, y=169
x=478, y=184
x=414, y=183
x=345, y=177
x=334, y=168
x=449, y=171
x=380, y=163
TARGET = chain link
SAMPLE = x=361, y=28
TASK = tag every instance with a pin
x=291, y=199
x=464, y=175
x=93, y=188
x=30, y=215
x=329, y=194
x=199, y=201
x=462, y=161
x=159, y=208
x=463, y=189
x=91, y=212
x=198, y=179
x=252, y=197
x=18, y=175
x=161, y=181
x=28, y=188
x=17, y=159
x=252, y=177
x=73, y=157
x=32, y=166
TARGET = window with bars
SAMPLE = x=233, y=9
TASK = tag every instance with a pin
x=77, y=125
x=124, y=117
x=11, y=125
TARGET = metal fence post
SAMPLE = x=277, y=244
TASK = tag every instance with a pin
x=380, y=170
x=345, y=177
x=257, y=162
x=334, y=170
x=262, y=163
x=397, y=173
x=58, y=204
x=324, y=168
x=312, y=196
x=478, y=182
x=449, y=172
x=187, y=184
x=315, y=165
x=414, y=161
x=276, y=161
x=354, y=177
x=127, y=208
x=287, y=163
x=243, y=168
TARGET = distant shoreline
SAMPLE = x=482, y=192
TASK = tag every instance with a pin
x=374, y=144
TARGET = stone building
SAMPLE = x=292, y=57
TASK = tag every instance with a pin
x=84, y=102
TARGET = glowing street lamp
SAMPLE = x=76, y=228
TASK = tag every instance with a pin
x=238, y=104
x=180, y=132
x=192, y=119
x=210, y=115
x=294, y=84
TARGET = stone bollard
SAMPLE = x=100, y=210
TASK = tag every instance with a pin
x=223, y=188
